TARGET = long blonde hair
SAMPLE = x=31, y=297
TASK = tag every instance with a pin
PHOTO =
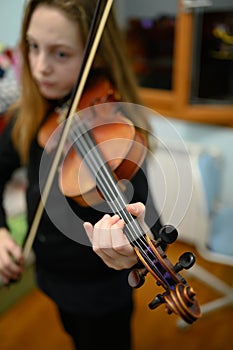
x=32, y=107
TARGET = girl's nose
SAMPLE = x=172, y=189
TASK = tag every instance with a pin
x=43, y=63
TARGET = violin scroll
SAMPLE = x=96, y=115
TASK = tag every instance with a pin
x=180, y=301
x=178, y=297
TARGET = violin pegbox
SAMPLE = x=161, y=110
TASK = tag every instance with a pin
x=179, y=297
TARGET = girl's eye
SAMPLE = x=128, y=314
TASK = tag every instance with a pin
x=61, y=54
x=33, y=46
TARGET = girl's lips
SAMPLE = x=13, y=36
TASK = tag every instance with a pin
x=45, y=84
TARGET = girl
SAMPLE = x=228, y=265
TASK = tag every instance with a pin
x=90, y=290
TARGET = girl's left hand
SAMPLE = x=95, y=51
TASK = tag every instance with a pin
x=109, y=241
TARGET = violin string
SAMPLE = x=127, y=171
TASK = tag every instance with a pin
x=96, y=162
x=97, y=165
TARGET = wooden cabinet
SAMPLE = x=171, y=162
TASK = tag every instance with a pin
x=191, y=95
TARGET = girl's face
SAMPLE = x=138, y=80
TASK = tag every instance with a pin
x=55, y=51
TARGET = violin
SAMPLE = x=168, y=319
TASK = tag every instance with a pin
x=103, y=150
x=105, y=147
x=122, y=146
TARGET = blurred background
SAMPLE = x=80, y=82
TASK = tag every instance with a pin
x=182, y=54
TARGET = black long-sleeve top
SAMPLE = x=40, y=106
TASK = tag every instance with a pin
x=67, y=269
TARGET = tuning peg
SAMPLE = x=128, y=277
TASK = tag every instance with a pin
x=186, y=261
x=136, y=277
x=168, y=234
x=157, y=301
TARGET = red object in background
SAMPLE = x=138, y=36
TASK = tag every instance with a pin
x=2, y=122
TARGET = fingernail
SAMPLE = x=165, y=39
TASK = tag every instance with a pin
x=106, y=216
x=134, y=208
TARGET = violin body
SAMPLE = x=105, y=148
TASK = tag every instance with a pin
x=122, y=146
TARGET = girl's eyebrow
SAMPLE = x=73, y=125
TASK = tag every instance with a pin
x=53, y=45
x=28, y=37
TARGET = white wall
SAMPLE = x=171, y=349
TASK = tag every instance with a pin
x=10, y=21
x=207, y=135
